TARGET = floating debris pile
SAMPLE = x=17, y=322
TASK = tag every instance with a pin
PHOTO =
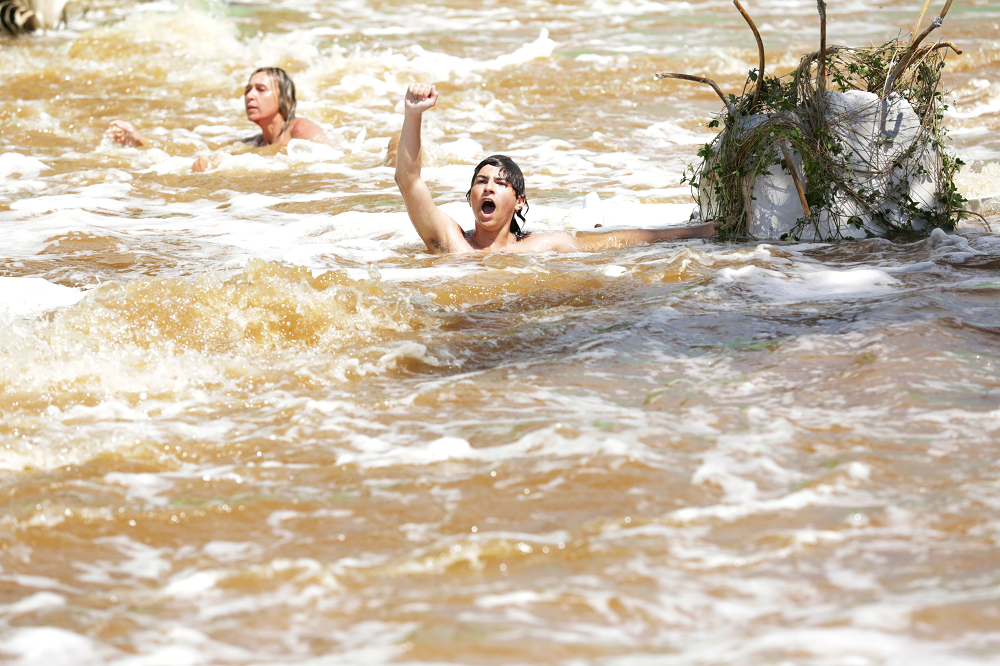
x=849, y=144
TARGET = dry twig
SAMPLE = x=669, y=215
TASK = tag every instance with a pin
x=760, y=53
x=942, y=45
x=795, y=178
x=701, y=79
x=821, y=77
x=904, y=62
x=907, y=56
x=920, y=19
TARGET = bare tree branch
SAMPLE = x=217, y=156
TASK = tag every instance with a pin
x=701, y=79
x=944, y=12
x=941, y=45
x=821, y=77
x=760, y=52
x=795, y=178
x=923, y=10
x=904, y=61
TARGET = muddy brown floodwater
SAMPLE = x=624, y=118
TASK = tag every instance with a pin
x=246, y=419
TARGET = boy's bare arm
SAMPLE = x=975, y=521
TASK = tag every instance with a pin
x=439, y=232
x=628, y=237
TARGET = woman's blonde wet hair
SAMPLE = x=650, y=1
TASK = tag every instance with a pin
x=286, y=92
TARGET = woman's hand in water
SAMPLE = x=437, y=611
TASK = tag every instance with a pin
x=420, y=97
x=125, y=133
x=206, y=162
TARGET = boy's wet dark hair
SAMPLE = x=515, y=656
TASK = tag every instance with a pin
x=285, y=88
x=510, y=172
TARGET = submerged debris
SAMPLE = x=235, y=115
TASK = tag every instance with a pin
x=19, y=16
x=849, y=144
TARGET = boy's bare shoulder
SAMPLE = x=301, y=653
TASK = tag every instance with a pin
x=548, y=241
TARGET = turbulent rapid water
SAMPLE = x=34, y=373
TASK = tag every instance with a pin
x=247, y=419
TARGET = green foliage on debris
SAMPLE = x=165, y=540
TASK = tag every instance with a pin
x=794, y=109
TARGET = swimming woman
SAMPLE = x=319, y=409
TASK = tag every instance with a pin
x=270, y=103
x=497, y=197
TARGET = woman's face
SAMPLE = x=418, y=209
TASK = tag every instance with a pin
x=261, y=98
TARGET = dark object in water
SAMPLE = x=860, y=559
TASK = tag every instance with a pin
x=20, y=16
x=16, y=17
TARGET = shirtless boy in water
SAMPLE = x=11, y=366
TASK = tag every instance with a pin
x=497, y=197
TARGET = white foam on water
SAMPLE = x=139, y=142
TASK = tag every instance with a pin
x=276, y=518
x=830, y=645
x=105, y=198
x=736, y=460
x=980, y=181
x=978, y=109
x=191, y=583
x=42, y=582
x=30, y=233
x=775, y=286
x=973, y=425
x=35, y=602
x=520, y=598
x=23, y=166
x=180, y=29
x=174, y=643
x=414, y=63
x=144, y=486
x=442, y=67
x=135, y=561
x=851, y=578
x=669, y=132
x=232, y=551
x=27, y=296
x=821, y=495
x=53, y=646
x=950, y=247
x=121, y=380
x=301, y=151
x=172, y=165
x=541, y=445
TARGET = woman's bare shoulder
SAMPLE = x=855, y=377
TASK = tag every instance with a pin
x=303, y=128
